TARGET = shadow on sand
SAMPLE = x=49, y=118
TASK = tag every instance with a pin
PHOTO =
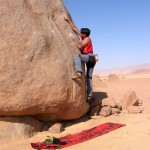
x=100, y=95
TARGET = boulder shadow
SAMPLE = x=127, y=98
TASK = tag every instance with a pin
x=98, y=97
x=69, y=123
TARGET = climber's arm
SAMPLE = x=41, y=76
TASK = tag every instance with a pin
x=75, y=29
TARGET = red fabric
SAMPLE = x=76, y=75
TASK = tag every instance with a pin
x=39, y=145
x=87, y=49
x=83, y=136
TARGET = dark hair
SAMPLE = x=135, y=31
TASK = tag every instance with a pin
x=85, y=31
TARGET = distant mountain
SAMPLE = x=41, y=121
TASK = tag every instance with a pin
x=124, y=70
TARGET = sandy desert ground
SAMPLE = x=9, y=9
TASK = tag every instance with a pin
x=134, y=136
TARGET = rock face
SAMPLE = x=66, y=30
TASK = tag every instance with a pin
x=36, y=62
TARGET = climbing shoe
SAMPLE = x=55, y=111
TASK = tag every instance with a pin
x=77, y=75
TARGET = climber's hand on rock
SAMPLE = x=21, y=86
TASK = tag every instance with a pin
x=73, y=37
x=68, y=20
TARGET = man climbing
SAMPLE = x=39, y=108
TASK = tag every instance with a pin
x=87, y=56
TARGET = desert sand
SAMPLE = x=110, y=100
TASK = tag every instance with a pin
x=134, y=136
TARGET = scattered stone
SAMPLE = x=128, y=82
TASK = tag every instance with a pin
x=134, y=110
x=116, y=114
x=115, y=110
x=57, y=128
x=109, y=102
x=105, y=111
x=118, y=106
x=129, y=99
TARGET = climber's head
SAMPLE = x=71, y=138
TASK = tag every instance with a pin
x=85, y=31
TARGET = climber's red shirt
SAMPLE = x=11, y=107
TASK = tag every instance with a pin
x=88, y=48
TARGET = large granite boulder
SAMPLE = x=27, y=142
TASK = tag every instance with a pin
x=36, y=62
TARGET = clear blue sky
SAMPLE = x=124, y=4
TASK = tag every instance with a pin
x=120, y=29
